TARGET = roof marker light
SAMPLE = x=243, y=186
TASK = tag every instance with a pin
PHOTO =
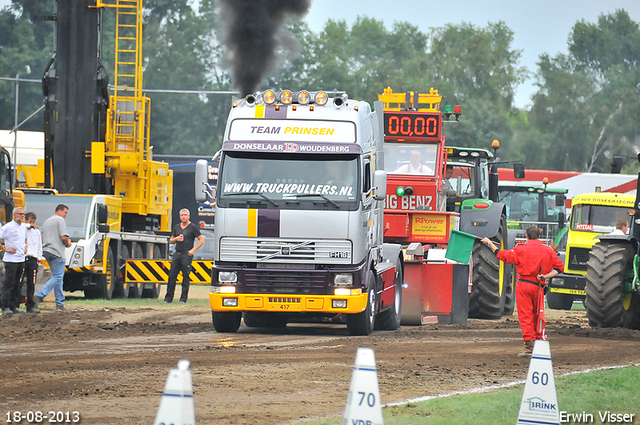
x=321, y=98
x=304, y=97
x=269, y=97
x=286, y=97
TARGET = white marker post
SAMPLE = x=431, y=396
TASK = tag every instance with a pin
x=363, y=405
x=176, y=405
x=539, y=402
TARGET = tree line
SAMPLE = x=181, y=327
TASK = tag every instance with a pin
x=586, y=108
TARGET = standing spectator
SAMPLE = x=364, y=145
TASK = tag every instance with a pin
x=183, y=235
x=535, y=263
x=32, y=260
x=54, y=240
x=14, y=237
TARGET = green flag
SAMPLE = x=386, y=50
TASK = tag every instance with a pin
x=460, y=246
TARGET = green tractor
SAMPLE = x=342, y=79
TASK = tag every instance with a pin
x=534, y=205
x=613, y=276
x=472, y=192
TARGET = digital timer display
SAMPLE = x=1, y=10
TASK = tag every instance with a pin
x=412, y=125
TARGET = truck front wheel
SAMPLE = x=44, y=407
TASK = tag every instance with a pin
x=107, y=280
x=226, y=322
x=362, y=323
x=606, y=303
x=559, y=301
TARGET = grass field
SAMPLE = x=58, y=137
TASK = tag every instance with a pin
x=595, y=393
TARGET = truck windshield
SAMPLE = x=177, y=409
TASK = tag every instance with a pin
x=79, y=212
x=326, y=179
x=597, y=218
x=523, y=206
x=410, y=158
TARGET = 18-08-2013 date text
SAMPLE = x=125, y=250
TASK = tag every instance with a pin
x=37, y=417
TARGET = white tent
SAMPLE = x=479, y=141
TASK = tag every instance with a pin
x=30, y=146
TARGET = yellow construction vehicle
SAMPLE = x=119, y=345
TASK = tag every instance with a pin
x=97, y=157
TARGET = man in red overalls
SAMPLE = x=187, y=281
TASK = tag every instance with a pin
x=535, y=262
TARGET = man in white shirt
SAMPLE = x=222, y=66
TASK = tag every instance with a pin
x=32, y=259
x=415, y=166
x=622, y=226
x=14, y=245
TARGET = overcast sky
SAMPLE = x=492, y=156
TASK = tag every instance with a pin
x=539, y=27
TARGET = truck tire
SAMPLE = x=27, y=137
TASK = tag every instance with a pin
x=390, y=318
x=153, y=290
x=362, y=323
x=106, y=281
x=135, y=288
x=254, y=319
x=606, y=303
x=226, y=322
x=121, y=289
x=559, y=301
x=489, y=278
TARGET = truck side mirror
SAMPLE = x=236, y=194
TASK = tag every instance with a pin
x=560, y=200
x=518, y=170
x=380, y=185
x=201, y=181
x=561, y=219
x=616, y=165
x=103, y=214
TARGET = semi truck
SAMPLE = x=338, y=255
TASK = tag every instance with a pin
x=299, y=215
x=97, y=154
x=592, y=215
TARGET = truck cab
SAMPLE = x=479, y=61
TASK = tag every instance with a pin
x=298, y=209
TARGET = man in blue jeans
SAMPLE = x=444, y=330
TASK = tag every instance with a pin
x=54, y=240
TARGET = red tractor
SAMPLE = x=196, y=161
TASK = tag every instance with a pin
x=415, y=212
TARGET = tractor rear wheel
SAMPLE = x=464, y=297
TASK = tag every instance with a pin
x=489, y=278
x=606, y=303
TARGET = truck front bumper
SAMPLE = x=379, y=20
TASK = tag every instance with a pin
x=288, y=303
x=568, y=284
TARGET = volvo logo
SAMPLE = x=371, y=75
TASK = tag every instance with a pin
x=285, y=250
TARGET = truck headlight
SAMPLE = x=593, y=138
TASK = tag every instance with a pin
x=223, y=289
x=343, y=279
x=76, y=258
x=557, y=281
x=230, y=302
x=227, y=277
x=339, y=303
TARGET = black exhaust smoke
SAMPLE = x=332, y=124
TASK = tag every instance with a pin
x=252, y=36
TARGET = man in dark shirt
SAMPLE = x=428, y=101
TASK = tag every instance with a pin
x=183, y=235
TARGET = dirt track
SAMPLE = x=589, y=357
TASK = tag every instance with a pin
x=111, y=365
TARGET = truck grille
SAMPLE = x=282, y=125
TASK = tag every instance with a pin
x=285, y=250
x=284, y=282
x=577, y=258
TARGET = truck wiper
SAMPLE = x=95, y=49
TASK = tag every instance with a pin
x=253, y=193
x=320, y=196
